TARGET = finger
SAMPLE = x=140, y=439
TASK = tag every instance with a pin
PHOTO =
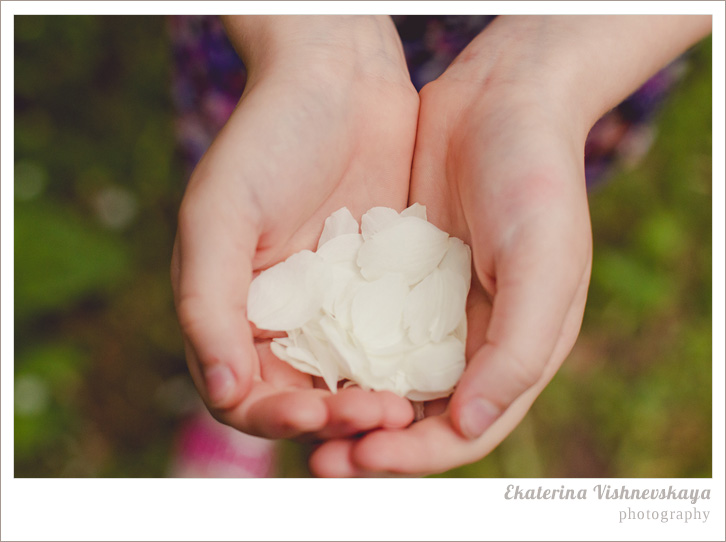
x=397, y=411
x=279, y=373
x=288, y=414
x=350, y=410
x=284, y=408
x=353, y=411
x=428, y=446
x=214, y=250
x=432, y=445
x=536, y=284
x=332, y=460
x=273, y=408
x=270, y=412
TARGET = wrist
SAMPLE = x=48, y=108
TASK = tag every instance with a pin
x=519, y=61
x=353, y=45
x=578, y=67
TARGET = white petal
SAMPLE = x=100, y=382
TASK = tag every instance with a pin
x=350, y=384
x=304, y=356
x=284, y=341
x=434, y=369
x=415, y=395
x=386, y=366
x=341, y=309
x=297, y=357
x=288, y=294
x=394, y=381
x=324, y=355
x=350, y=312
x=377, y=309
x=340, y=253
x=342, y=249
x=308, y=354
x=312, y=328
x=376, y=219
x=352, y=363
x=341, y=280
x=458, y=258
x=417, y=210
x=403, y=346
x=461, y=329
x=340, y=222
x=435, y=306
x=410, y=246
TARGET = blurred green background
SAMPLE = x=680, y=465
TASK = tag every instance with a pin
x=101, y=386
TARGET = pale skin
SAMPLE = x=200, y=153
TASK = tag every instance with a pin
x=498, y=161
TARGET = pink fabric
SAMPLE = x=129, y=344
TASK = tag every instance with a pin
x=206, y=448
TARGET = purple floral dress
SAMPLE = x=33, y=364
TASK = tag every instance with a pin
x=209, y=78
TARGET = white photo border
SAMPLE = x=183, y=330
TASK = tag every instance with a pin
x=274, y=509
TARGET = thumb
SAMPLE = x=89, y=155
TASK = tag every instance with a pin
x=211, y=273
x=532, y=312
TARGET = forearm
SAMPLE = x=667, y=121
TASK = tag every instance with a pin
x=588, y=63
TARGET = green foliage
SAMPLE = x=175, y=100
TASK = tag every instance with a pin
x=96, y=189
x=46, y=379
x=60, y=258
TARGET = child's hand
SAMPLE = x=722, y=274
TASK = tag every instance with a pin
x=499, y=163
x=327, y=119
x=509, y=181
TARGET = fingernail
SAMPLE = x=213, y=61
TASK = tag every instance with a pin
x=476, y=416
x=220, y=383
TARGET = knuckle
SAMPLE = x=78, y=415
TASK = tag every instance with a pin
x=187, y=309
x=525, y=373
x=191, y=314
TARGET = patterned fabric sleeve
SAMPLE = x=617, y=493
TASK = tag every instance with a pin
x=209, y=78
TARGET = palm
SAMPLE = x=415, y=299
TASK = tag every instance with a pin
x=509, y=182
x=320, y=148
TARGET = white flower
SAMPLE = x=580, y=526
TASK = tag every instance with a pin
x=384, y=308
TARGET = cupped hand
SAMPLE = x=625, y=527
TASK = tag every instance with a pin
x=500, y=166
x=318, y=128
x=499, y=162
